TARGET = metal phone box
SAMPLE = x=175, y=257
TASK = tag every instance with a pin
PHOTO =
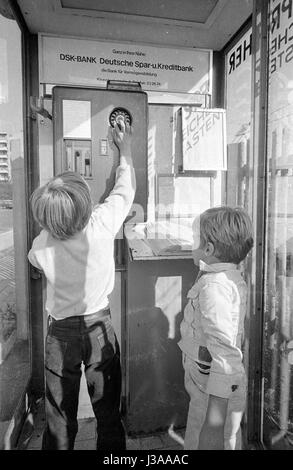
x=82, y=121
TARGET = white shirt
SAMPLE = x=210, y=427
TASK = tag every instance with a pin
x=80, y=271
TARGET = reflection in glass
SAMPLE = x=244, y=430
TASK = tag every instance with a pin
x=278, y=383
x=14, y=350
x=176, y=196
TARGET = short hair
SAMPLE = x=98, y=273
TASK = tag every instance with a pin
x=63, y=206
x=229, y=230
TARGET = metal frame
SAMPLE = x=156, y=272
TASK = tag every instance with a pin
x=32, y=168
x=258, y=171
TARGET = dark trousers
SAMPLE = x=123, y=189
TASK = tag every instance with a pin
x=89, y=339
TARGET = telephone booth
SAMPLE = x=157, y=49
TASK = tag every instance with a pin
x=206, y=87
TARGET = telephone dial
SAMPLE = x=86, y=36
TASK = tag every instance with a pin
x=120, y=113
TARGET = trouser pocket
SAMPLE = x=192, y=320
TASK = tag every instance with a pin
x=194, y=377
x=101, y=344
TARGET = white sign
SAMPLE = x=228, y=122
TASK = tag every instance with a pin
x=204, y=139
x=71, y=61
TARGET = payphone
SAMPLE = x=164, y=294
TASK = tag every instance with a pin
x=83, y=142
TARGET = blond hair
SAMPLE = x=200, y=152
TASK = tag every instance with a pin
x=63, y=206
x=229, y=230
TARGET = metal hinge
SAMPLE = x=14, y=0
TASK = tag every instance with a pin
x=37, y=106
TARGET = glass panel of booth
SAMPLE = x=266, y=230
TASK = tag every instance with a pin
x=238, y=117
x=14, y=329
x=240, y=174
x=278, y=343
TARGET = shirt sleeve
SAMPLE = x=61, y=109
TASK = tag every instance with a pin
x=113, y=211
x=32, y=255
x=215, y=302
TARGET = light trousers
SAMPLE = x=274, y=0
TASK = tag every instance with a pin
x=195, y=384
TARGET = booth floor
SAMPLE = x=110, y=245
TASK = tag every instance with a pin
x=86, y=437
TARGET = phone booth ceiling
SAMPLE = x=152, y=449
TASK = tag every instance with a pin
x=201, y=23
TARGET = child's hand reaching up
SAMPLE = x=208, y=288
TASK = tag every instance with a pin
x=122, y=137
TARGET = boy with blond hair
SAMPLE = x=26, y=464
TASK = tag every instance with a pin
x=211, y=331
x=74, y=250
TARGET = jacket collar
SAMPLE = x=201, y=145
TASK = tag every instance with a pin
x=216, y=267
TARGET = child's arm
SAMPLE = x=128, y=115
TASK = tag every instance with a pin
x=212, y=432
x=117, y=205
